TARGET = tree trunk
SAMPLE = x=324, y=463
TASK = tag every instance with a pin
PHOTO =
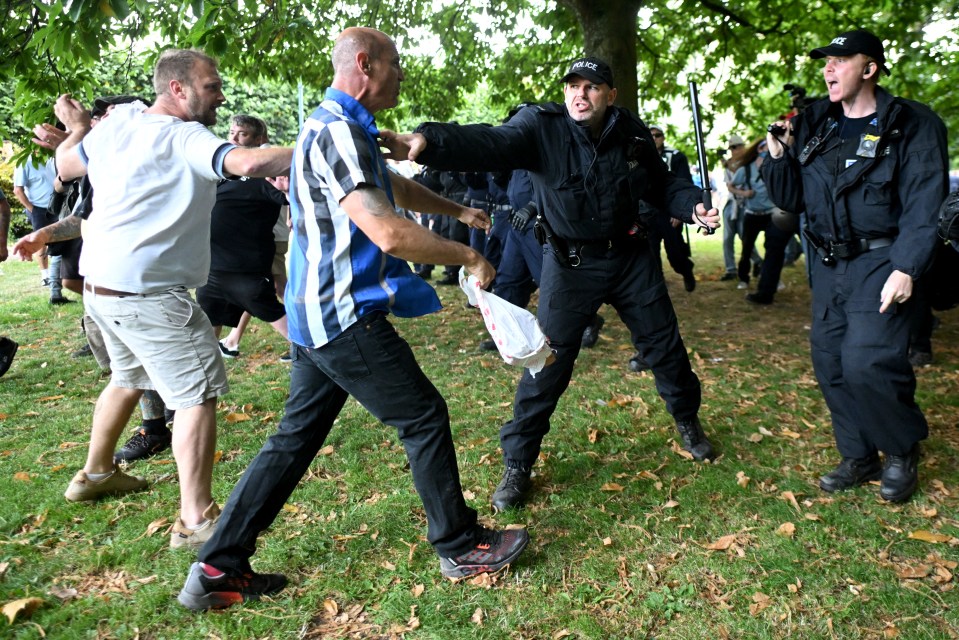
x=609, y=33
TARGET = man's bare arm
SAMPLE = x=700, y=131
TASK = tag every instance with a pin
x=371, y=211
x=412, y=195
x=66, y=229
x=258, y=163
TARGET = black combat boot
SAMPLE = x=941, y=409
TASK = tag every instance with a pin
x=851, y=472
x=694, y=440
x=512, y=489
x=900, y=476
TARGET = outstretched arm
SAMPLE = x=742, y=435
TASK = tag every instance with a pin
x=412, y=195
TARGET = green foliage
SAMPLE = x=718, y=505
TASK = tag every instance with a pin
x=741, y=54
x=19, y=224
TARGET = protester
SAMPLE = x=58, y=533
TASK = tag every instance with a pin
x=870, y=171
x=348, y=270
x=154, y=172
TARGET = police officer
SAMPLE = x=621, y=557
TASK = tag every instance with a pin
x=870, y=170
x=590, y=163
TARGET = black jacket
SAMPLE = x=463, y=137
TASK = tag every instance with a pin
x=895, y=194
x=588, y=190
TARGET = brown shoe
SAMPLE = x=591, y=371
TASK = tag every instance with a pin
x=183, y=537
x=117, y=483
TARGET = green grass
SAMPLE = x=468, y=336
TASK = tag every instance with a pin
x=622, y=526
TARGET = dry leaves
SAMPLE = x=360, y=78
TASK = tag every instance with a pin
x=931, y=536
x=786, y=530
x=23, y=607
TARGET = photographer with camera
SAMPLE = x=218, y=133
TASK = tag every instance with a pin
x=870, y=171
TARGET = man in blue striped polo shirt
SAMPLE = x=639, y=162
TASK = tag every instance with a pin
x=348, y=271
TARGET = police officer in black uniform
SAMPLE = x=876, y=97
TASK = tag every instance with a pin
x=590, y=163
x=870, y=171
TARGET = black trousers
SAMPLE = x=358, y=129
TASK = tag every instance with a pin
x=630, y=280
x=860, y=357
x=372, y=363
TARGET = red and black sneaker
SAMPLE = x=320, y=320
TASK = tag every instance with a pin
x=493, y=550
x=208, y=588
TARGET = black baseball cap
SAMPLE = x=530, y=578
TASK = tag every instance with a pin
x=100, y=105
x=593, y=69
x=851, y=43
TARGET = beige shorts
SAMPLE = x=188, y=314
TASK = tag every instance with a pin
x=160, y=341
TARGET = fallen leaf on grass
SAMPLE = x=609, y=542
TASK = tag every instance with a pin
x=25, y=606
x=786, y=529
x=63, y=594
x=670, y=504
x=760, y=602
x=907, y=572
x=790, y=497
x=418, y=590
x=217, y=455
x=791, y=434
x=477, y=617
x=765, y=431
x=607, y=541
x=236, y=417
x=562, y=633
x=742, y=479
x=929, y=536
x=723, y=543
x=22, y=476
x=755, y=437
x=326, y=451
x=680, y=451
x=49, y=398
x=156, y=525
x=612, y=486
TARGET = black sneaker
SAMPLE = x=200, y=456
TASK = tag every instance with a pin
x=203, y=592
x=512, y=489
x=758, y=298
x=448, y=279
x=493, y=551
x=82, y=352
x=143, y=445
x=729, y=275
x=694, y=440
x=591, y=334
x=227, y=351
x=851, y=472
x=8, y=349
x=920, y=358
x=58, y=300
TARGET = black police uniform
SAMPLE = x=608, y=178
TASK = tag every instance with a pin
x=589, y=192
x=871, y=200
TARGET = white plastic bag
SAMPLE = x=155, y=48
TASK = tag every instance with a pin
x=517, y=335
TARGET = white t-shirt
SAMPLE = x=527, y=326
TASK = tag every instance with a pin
x=154, y=185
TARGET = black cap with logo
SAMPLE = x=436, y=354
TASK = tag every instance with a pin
x=593, y=69
x=100, y=105
x=851, y=43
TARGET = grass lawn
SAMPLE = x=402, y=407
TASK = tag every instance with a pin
x=629, y=538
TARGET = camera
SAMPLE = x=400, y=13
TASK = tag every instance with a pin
x=777, y=130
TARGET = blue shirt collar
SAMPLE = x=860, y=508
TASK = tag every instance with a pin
x=354, y=110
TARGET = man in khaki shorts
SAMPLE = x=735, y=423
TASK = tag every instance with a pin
x=144, y=249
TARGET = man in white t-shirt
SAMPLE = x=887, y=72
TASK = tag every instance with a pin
x=154, y=172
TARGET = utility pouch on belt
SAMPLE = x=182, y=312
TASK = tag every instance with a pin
x=544, y=235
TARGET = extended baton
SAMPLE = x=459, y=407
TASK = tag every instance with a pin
x=701, y=152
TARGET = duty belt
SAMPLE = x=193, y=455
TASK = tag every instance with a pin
x=502, y=207
x=597, y=248
x=846, y=250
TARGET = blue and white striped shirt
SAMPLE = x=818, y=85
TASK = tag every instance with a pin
x=337, y=275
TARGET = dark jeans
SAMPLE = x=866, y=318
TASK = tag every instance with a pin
x=678, y=252
x=753, y=225
x=372, y=363
x=520, y=268
x=860, y=357
x=774, y=248
x=630, y=280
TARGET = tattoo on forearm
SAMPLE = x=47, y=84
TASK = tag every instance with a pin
x=376, y=203
x=66, y=229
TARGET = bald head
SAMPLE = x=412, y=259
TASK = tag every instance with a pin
x=354, y=41
x=366, y=65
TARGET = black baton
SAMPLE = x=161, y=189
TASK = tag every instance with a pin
x=701, y=152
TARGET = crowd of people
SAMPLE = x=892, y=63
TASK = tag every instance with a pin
x=573, y=198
